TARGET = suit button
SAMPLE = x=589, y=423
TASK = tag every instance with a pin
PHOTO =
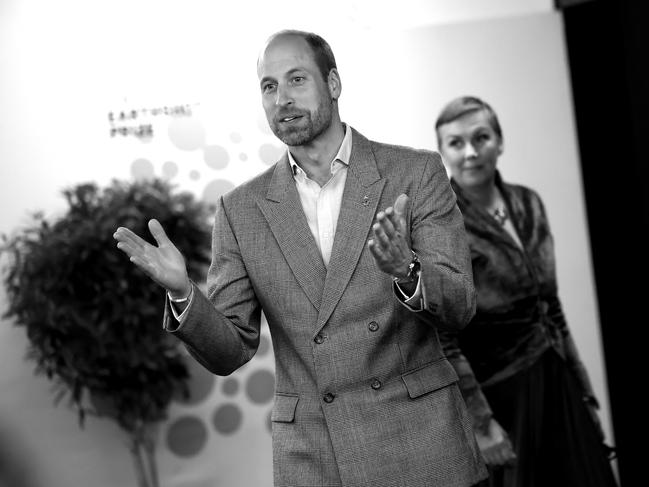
x=373, y=326
x=328, y=397
x=376, y=384
x=319, y=338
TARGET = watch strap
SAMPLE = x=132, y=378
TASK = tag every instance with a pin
x=413, y=270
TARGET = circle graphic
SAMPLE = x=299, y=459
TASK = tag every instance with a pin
x=216, y=156
x=187, y=133
x=194, y=175
x=215, y=189
x=170, y=169
x=270, y=154
x=227, y=419
x=146, y=138
x=260, y=386
x=230, y=386
x=236, y=137
x=142, y=169
x=200, y=384
x=186, y=436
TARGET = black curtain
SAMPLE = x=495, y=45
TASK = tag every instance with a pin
x=607, y=43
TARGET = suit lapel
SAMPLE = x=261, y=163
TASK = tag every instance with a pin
x=283, y=211
x=359, y=204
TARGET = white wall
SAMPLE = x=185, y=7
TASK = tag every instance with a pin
x=65, y=65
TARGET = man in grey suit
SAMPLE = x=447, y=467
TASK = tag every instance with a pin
x=356, y=253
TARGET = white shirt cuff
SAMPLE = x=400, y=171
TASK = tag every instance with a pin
x=174, y=311
x=414, y=302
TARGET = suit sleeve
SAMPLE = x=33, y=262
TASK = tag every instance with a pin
x=221, y=330
x=439, y=239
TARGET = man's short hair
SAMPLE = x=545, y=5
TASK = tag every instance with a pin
x=323, y=55
x=462, y=105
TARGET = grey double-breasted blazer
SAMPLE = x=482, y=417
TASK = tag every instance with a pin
x=364, y=396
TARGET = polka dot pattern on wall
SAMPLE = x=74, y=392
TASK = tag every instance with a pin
x=186, y=436
x=142, y=169
x=230, y=386
x=227, y=419
x=216, y=156
x=196, y=417
x=187, y=133
x=200, y=384
x=260, y=386
x=215, y=189
x=270, y=154
x=170, y=169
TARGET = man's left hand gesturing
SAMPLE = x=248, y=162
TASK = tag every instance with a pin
x=390, y=244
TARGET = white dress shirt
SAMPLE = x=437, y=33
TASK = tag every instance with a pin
x=321, y=205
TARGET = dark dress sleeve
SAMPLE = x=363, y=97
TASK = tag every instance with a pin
x=569, y=348
x=475, y=400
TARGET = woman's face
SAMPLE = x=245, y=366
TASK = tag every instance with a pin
x=470, y=147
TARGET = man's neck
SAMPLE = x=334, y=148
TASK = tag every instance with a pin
x=315, y=157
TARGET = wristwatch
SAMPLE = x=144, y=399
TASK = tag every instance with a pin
x=413, y=270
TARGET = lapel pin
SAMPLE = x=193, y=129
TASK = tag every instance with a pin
x=366, y=200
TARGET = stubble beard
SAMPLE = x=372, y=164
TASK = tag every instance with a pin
x=314, y=125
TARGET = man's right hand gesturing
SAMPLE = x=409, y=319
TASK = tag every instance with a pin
x=164, y=263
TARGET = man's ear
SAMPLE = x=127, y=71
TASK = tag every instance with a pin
x=333, y=83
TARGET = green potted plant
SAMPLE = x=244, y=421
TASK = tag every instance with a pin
x=93, y=320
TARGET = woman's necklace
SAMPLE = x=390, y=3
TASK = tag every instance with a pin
x=500, y=215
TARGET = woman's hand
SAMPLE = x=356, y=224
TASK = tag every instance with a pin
x=495, y=446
